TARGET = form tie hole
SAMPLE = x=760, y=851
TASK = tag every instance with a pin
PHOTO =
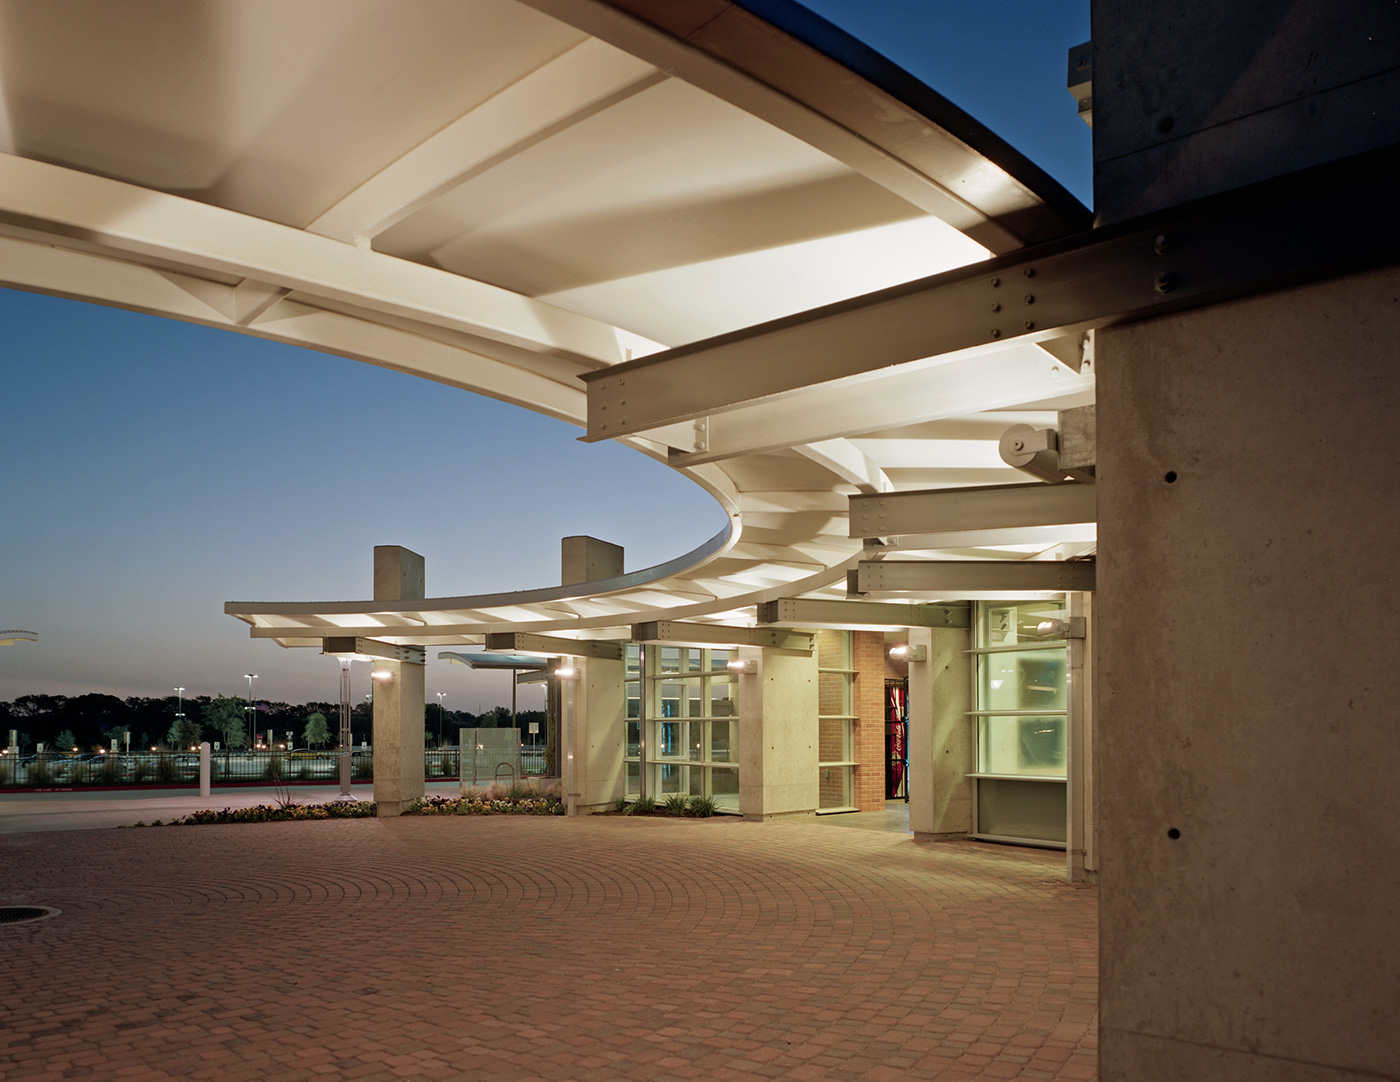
x=1169, y=477
x=1173, y=834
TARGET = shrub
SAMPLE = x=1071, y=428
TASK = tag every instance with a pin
x=481, y=804
x=675, y=804
x=362, y=769
x=79, y=774
x=701, y=807
x=140, y=771
x=272, y=769
x=270, y=813
x=166, y=769
x=643, y=805
x=110, y=772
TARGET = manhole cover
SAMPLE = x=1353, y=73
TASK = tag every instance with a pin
x=19, y=914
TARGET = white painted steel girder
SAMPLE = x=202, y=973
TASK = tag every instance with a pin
x=933, y=511
x=720, y=635
x=822, y=612
x=552, y=646
x=951, y=577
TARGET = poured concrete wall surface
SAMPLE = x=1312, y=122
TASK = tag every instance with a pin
x=601, y=733
x=1247, y=735
x=941, y=751
x=778, y=772
x=1199, y=96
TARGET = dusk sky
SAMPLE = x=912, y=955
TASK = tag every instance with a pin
x=155, y=470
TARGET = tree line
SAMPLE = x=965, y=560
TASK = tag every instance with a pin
x=94, y=722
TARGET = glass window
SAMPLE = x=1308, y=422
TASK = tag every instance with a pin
x=1020, y=721
x=722, y=745
x=1022, y=680
x=1009, y=623
x=1021, y=809
x=1021, y=745
x=681, y=691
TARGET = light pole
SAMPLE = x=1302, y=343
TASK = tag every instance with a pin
x=252, y=713
x=179, y=710
x=440, y=696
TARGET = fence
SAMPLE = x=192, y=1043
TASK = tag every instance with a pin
x=226, y=766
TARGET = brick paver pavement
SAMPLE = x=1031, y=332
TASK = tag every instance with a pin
x=515, y=949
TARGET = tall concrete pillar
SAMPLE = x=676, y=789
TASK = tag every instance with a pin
x=598, y=733
x=1246, y=742
x=398, y=693
x=778, y=757
x=593, y=703
x=940, y=740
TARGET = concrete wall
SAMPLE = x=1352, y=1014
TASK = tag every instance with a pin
x=600, y=734
x=1246, y=747
x=1249, y=753
x=940, y=737
x=1200, y=96
x=778, y=736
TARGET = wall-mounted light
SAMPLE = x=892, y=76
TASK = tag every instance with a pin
x=566, y=672
x=1073, y=628
x=905, y=652
x=382, y=675
x=748, y=665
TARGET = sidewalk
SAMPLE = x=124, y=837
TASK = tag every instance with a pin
x=541, y=949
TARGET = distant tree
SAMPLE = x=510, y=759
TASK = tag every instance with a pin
x=316, y=732
x=225, y=715
x=184, y=733
x=64, y=741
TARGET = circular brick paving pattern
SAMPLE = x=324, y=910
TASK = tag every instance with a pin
x=512, y=949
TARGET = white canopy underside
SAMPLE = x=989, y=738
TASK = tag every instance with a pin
x=501, y=195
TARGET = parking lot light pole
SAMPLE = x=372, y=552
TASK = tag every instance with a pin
x=252, y=711
x=440, y=696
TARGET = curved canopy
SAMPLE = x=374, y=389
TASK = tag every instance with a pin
x=507, y=195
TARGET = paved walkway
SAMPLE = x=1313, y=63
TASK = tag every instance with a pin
x=517, y=949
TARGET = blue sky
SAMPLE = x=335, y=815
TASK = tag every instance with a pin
x=155, y=470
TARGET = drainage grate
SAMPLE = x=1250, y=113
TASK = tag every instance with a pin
x=20, y=914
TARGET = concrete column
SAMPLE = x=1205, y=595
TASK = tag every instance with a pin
x=1248, y=752
x=940, y=740
x=587, y=559
x=398, y=693
x=1246, y=743
x=778, y=735
x=601, y=734
x=593, y=703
